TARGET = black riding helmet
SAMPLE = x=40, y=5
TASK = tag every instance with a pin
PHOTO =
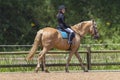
x=61, y=7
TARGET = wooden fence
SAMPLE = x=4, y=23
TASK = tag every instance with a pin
x=88, y=53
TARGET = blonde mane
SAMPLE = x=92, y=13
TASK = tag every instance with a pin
x=78, y=28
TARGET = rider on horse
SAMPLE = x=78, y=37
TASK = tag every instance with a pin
x=62, y=25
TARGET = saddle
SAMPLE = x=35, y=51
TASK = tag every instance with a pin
x=63, y=34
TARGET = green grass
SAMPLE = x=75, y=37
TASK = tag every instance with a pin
x=61, y=58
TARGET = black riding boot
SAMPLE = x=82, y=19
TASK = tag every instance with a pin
x=71, y=36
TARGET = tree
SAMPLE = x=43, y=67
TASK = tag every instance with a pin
x=17, y=16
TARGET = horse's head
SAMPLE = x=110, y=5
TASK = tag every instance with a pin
x=93, y=30
x=85, y=27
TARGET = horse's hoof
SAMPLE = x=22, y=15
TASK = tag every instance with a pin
x=36, y=70
x=47, y=71
x=66, y=70
x=85, y=70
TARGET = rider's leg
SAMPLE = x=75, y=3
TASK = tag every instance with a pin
x=71, y=35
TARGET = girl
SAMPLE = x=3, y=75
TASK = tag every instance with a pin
x=62, y=25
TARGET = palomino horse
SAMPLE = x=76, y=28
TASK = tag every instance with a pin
x=49, y=38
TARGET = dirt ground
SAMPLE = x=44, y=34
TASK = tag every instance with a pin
x=61, y=76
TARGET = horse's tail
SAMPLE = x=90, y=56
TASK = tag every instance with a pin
x=37, y=42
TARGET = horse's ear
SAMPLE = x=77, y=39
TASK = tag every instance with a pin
x=93, y=20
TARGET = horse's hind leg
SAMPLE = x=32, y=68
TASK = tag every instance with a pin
x=68, y=61
x=41, y=55
x=80, y=60
x=44, y=66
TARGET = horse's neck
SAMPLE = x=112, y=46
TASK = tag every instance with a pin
x=79, y=28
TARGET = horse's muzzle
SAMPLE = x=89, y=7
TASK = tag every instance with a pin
x=96, y=36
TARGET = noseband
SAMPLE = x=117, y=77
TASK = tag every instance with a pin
x=95, y=31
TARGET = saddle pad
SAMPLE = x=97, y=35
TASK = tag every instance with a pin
x=63, y=34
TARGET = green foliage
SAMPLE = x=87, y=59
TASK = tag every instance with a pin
x=16, y=17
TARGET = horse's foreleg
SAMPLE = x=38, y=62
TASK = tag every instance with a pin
x=68, y=61
x=41, y=55
x=80, y=60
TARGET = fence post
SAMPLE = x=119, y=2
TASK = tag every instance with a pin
x=88, y=57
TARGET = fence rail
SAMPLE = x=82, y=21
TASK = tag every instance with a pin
x=88, y=53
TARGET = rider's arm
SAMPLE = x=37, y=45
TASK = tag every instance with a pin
x=61, y=20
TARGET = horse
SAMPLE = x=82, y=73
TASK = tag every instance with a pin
x=49, y=38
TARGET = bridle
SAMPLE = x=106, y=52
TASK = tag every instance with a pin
x=95, y=31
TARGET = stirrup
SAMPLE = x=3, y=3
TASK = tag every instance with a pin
x=70, y=42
